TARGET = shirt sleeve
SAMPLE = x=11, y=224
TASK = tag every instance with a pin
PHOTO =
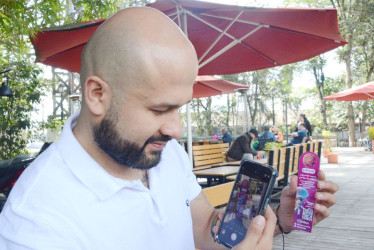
x=246, y=147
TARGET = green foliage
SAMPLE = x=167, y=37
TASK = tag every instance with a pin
x=19, y=20
x=27, y=87
x=326, y=134
x=371, y=133
x=273, y=145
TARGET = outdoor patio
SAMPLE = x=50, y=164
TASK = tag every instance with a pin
x=351, y=223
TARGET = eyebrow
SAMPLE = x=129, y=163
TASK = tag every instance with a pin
x=169, y=106
x=166, y=106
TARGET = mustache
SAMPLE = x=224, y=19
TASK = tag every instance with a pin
x=163, y=138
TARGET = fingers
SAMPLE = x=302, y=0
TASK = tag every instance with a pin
x=268, y=232
x=216, y=227
x=253, y=234
x=327, y=186
x=260, y=232
x=255, y=231
x=321, y=212
x=325, y=198
x=321, y=175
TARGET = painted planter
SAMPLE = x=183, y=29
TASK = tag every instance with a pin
x=332, y=158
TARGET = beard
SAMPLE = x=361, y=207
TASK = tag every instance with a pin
x=124, y=151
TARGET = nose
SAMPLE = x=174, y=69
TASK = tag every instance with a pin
x=172, y=125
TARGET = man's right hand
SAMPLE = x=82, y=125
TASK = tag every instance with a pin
x=260, y=233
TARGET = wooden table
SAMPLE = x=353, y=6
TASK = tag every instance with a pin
x=219, y=172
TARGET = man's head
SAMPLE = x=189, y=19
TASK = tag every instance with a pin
x=274, y=129
x=301, y=117
x=137, y=70
x=253, y=133
x=301, y=126
x=224, y=130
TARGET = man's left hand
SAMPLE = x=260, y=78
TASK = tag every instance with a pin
x=324, y=199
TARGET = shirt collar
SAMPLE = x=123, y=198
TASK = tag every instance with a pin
x=85, y=168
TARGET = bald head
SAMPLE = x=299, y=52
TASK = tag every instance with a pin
x=134, y=45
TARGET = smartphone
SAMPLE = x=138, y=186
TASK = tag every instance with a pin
x=249, y=197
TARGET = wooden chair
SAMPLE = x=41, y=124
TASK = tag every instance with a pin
x=298, y=152
x=281, y=164
x=312, y=145
x=318, y=148
x=291, y=159
x=304, y=140
x=273, y=158
x=204, y=156
x=219, y=195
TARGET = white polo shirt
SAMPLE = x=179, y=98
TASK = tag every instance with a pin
x=65, y=200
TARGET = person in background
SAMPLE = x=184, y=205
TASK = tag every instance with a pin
x=227, y=137
x=264, y=138
x=277, y=134
x=297, y=137
x=367, y=141
x=302, y=119
x=267, y=134
x=241, y=148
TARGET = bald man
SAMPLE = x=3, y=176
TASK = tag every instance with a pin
x=116, y=178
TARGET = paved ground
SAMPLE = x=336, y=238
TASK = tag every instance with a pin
x=351, y=223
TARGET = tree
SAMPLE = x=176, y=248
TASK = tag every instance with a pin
x=27, y=88
x=316, y=65
x=18, y=21
x=351, y=14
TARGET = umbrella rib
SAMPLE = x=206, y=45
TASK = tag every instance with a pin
x=230, y=36
x=220, y=36
x=230, y=45
x=209, y=24
x=229, y=18
x=372, y=96
x=269, y=26
x=178, y=15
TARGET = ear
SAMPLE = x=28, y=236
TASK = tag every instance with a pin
x=98, y=95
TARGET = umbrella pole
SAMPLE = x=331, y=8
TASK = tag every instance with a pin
x=182, y=13
x=189, y=132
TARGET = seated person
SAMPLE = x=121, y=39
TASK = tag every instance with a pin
x=267, y=134
x=227, y=138
x=241, y=148
x=265, y=137
x=277, y=134
x=297, y=137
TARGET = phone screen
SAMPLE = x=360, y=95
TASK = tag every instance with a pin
x=250, y=190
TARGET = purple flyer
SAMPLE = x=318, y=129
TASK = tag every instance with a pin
x=306, y=190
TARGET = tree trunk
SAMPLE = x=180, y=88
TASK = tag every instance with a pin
x=348, y=81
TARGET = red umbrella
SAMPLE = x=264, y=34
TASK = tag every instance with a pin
x=228, y=39
x=206, y=86
x=362, y=92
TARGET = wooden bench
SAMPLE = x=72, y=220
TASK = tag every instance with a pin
x=208, y=155
x=219, y=195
